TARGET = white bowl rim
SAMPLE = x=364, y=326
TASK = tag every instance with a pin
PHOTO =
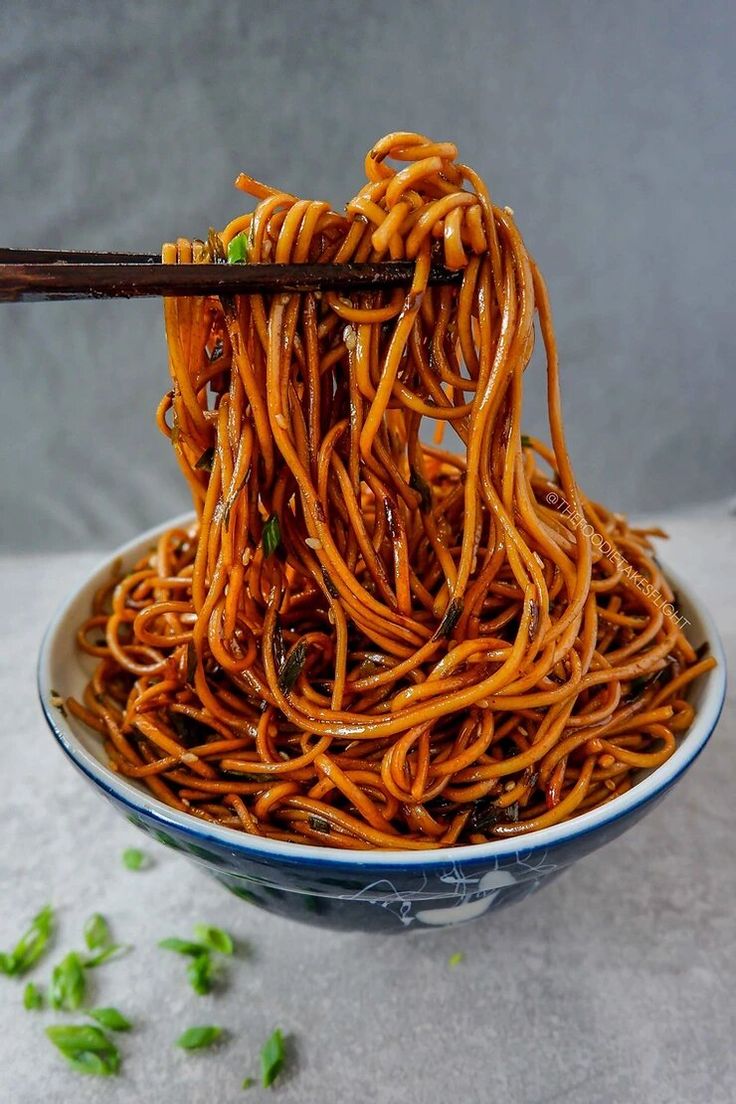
x=259, y=847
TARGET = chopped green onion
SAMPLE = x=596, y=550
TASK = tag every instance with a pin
x=237, y=250
x=110, y=1018
x=97, y=932
x=420, y=485
x=87, y=1049
x=248, y=1083
x=206, y=460
x=32, y=997
x=196, y=1037
x=272, y=1058
x=216, y=352
x=191, y=663
x=214, y=938
x=271, y=537
x=31, y=944
x=189, y=730
x=292, y=667
x=183, y=946
x=68, y=983
x=200, y=972
x=456, y=958
x=640, y=684
x=453, y=613
x=133, y=858
x=114, y=950
x=526, y=442
x=279, y=647
x=329, y=585
x=217, y=249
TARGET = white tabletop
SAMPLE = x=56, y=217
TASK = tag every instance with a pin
x=616, y=984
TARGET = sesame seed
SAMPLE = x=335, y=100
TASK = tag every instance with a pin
x=509, y=211
x=280, y=421
x=189, y=757
x=313, y=542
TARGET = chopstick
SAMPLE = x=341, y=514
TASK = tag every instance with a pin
x=28, y=275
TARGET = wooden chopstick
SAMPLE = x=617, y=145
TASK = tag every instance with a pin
x=28, y=275
x=74, y=256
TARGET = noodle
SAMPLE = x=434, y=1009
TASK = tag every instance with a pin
x=367, y=641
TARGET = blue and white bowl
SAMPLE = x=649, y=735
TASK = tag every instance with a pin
x=392, y=891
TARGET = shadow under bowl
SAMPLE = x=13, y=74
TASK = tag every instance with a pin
x=392, y=891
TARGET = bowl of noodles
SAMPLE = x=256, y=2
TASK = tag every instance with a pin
x=373, y=681
x=372, y=890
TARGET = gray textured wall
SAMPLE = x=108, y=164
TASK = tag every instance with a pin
x=608, y=128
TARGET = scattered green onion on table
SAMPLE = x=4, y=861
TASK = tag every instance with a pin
x=86, y=1047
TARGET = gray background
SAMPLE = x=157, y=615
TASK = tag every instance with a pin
x=608, y=128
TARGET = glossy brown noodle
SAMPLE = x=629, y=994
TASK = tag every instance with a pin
x=441, y=649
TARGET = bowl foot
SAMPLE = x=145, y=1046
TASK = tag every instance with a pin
x=388, y=911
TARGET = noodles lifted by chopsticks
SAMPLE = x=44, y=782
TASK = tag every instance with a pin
x=366, y=641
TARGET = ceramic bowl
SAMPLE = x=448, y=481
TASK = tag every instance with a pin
x=394, y=891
